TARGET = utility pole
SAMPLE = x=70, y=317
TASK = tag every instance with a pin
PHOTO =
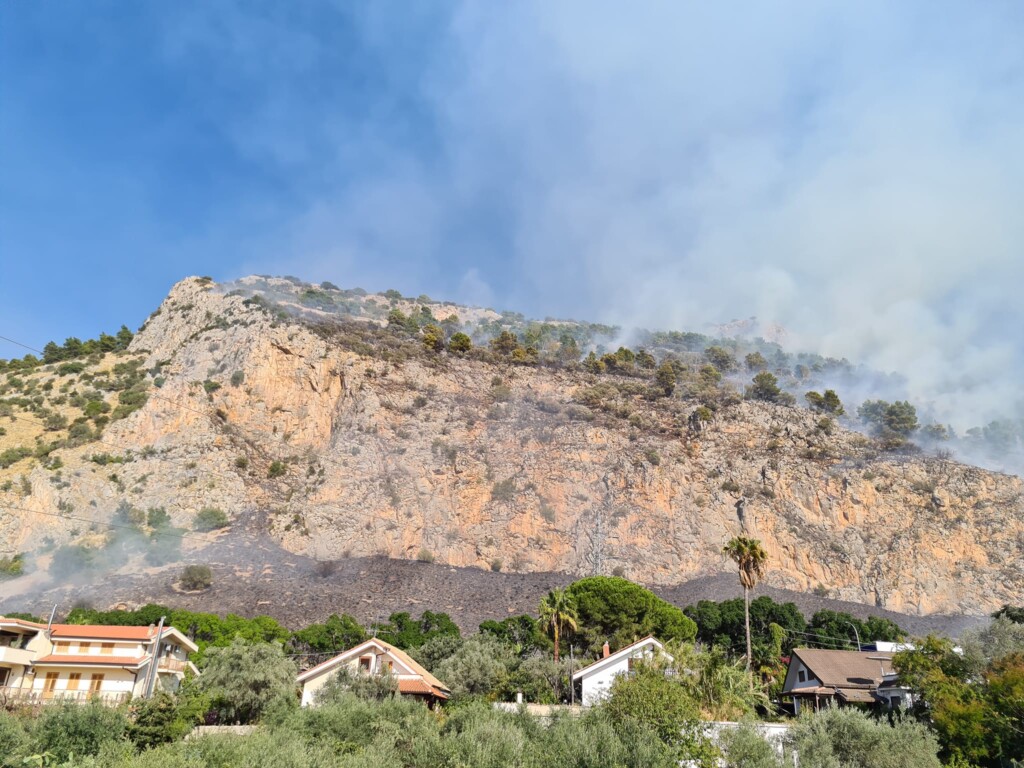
x=151, y=677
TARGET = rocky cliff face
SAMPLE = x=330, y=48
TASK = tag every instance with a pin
x=295, y=427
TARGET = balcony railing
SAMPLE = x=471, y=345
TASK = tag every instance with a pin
x=169, y=664
x=23, y=696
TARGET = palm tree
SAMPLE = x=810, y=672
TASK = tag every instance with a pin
x=558, y=613
x=752, y=560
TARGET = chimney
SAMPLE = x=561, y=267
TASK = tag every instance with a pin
x=606, y=651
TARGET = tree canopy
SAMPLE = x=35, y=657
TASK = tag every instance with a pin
x=620, y=612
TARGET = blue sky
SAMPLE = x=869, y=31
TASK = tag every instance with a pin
x=853, y=171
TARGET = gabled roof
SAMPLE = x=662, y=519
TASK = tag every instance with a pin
x=376, y=644
x=108, y=632
x=845, y=669
x=102, y=632
x=620, y=655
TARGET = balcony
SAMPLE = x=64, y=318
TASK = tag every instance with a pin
x=27, y=697
x=169, y=664
x=20, y=656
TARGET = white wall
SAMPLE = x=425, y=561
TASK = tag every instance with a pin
x=597, y=685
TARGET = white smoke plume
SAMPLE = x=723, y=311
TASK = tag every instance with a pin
x=851, y=171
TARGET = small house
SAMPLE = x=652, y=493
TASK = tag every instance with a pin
x=817, y=678
x=376, y=657
x=594, y=682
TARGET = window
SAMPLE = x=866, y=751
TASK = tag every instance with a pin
x=107, y=649
x=49, y=684
x=62, y=647
x=364, y=663
x=84, y=647
x=73, y=679
x=95, y=684
x=801, y=676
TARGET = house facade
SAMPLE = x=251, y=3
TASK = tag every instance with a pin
x=376, y=657
x=69, y=662
x=818, y=678
x=593, y=683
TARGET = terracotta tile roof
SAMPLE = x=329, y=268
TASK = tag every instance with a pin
x=98, y=632
x=845, y=669
x=93, y=659
x=436, y=686
x=418, y=686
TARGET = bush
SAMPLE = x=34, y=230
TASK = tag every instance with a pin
x=210, y=519
x=652, y=698
x=157, y=517
x=195, y=577
x=78, y=729
x=764, y=387
x=245, y=679
x=460, y=343
x=163, y=719
x=12, y=736
x=13, y=566
x=425, y=556
x=210, y=386
x=237, y=378
x=849, y=737
x=277, y=469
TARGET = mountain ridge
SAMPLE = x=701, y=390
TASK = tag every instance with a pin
x=358, y=437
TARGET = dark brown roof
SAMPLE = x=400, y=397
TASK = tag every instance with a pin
x=845, y=669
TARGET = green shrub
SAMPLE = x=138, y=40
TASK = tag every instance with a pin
x=13, y=456
x=210, y=519
x=460, y=343
x=244, y=680
x=78, y=729
x=12, y=737
x=157, y=517
x=242, y=462
x=237, y=378
x=195, y=577
x=12, y=566
x=849, y=737
x=210, y=386
x=277, y=469
x=425, y=556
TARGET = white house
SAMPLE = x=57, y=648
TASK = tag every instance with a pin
x=594, y=682
x=375, y=657
x=70, y=662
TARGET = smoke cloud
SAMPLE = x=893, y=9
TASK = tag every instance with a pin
x=852, y=172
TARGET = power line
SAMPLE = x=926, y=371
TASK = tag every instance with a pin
x=18, y=343
x=68, y=516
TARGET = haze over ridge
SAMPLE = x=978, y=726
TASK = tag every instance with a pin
x=852, y=173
